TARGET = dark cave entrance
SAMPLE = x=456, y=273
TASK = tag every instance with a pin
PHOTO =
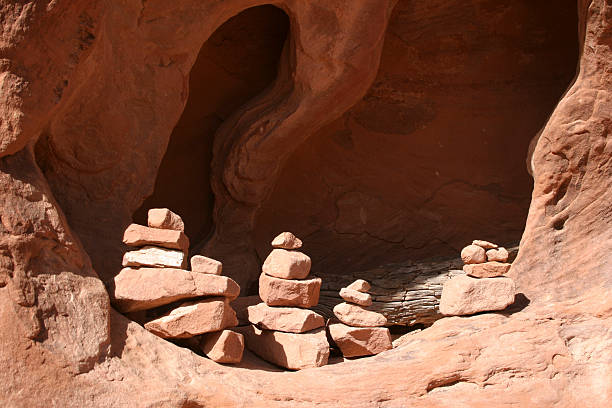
x=235, y=64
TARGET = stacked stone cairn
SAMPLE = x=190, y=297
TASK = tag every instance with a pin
x=484, y=287
x=360, y=331
x=155, y=276
x=283, y=330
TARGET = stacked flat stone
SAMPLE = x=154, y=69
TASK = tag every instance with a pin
x=155, y=275
x=283, y=330
x=360, y=331
x=484, y=287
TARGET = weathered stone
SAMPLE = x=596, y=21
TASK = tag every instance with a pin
x=139, y=235
x=193, y=318
x=155, y=256
x=358, y=316
x=360, y=341
x=287, y=264
x=286, y=240
x=360, y=285
x=487, y=269
x=165, y=219
x=146, y=288
x=202, y=264
x=290, y=350
x=484, y=244
x=289, y=292
x=498, y=254
x=356, y=297
x=473, y=254
x=464, y=295
x=286, y=319
x=225, y=346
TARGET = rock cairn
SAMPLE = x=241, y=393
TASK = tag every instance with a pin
x=155, y=275
x=484, y=286
x=283, y=330
x=360, y=331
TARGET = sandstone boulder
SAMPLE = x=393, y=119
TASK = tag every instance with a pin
x=484, y=244
x=360, y=341
x=202, y=264
x=139, y=235
x=358, y=316
x=225, y=346
x=285, y=292
x=487, y=269
x=356, y=297
x=360, y=285
x=155, y=256
x=165, y=219
x=287, y=264
x=286, y=319
x=498, y=254
x=473, y=254
x=464, y=295
x=286, y=240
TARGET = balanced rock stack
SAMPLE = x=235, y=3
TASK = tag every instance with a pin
x=155, y=276
x=360, y=331
x=484, y=286
x=283, y=331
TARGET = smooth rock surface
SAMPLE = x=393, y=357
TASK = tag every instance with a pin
x=202, y=264
x=286, y=240
x=473, y=254
x=484, y=244
x=286, y=319
x=498, y=254
x=360, y=341
x=360, y=285
x=139, y=235
x=285, y=292
x=226, y=346
x=358, y=316
x=287, y=264
x=487, y=269
x=155, y=256
x=464, y=295
x=165, y=219
x=356, y=297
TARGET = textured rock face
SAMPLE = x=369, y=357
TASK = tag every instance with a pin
x=464, y=295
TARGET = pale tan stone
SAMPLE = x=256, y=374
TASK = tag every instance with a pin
x=287, y=264
x=360, y=341
x=155, y=256
x=286, y=240
x=139, y=235
x=165, y=219
x=484, y=244
x=360, y=285
x=202, y=264
x=356, y=297
x=473, y=254
x=464, y=295
x=226, y=346
x=487, y=269
x=289, y=292
x=286, y=319
x=358, y=316
x=498, y=254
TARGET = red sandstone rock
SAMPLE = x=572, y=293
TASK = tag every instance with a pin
x=498, y=254
x=359, y=285
x=146, y=288
x=473, y=254
x=287, y=264
x=463, y=295
x=203, y=264
x=193, y=318
x=154, y=256
x=295, y=351
x=225, y=346
x=139, y=235
x=289, y=292
x=165, y=219
x=286, y=240
x=484, y=244
x=356, y=297
x=487, y=269
x=360, y=341
x=286, y=319
x=358, y=316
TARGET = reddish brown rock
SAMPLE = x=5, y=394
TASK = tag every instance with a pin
x=290, y=350
x=286, y=319
x=193, y=318
x=360, y=341
x=286, y=240
x=287, y=264
x=225, y=346
x=498, y=254
x=356, y=297
x=473, y=254
x=358, y=316
x=484, y=244
x=289, y=292
x=240, y=306
x=146, y=288
x=487, y=269
x=139, y=235
x=165, y=219
x=154, y=256
x=463, y=295
x=359, y=285
x=202, y=264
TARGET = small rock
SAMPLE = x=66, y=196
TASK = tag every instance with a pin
x=165, y=219
x=360, y=285
x=202, y=264
x=193, y=318
x=484, y=244
x=154, y=256
x=286, y=240
x=356, y=297
x=225, y=346
x=498, y=254
x=289, y=292
x=464, y=295
x=286, y=319
x=358, y=316
x=287, y=264
x=473, y=254
x=487, y=269
x=360, y=341
x=139, y=235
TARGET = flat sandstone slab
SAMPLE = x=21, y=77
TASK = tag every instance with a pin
x=487, y=269
x=356, y=297
x=286, y=319
x=286, y=292
x=360, y=341
x=165, y=219
x=464, y=295
x=358, y=316
x=290, y=350
x=225, y=346
x=193, y=318
x=287, y=264
x=146, y=288
x=155, y=256
x=139, y=235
